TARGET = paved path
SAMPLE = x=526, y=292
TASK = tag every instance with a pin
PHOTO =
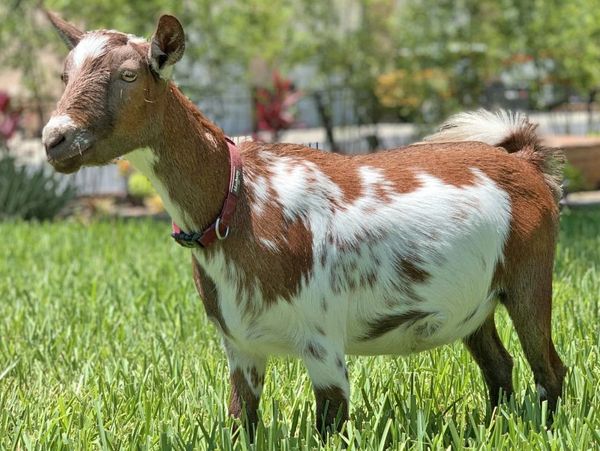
x=582, y=199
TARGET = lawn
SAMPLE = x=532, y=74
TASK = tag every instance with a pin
x=104, y=344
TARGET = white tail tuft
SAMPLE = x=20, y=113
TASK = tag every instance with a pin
x=511, y=131
x=482, y=125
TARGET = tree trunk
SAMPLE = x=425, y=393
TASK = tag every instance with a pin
x=326, y=120
x=590, y=109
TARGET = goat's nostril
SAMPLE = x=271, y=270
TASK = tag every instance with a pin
x=55, y=140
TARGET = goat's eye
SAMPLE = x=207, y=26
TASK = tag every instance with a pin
x=64, y=77
x=128, y=76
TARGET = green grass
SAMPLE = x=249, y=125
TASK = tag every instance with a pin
x=104, y=344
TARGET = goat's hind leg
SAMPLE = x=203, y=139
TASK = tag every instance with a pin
x=529, y=304
x=494, y=360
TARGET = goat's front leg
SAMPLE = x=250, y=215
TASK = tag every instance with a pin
x=247, y=375
x=326, y=367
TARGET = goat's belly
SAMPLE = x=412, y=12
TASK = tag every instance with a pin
x=407, y=332
x=449, y=304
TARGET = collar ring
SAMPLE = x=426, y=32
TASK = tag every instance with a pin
x=218, y=230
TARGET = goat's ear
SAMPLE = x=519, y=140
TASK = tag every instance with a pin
x=68, y=32
x=167, y=45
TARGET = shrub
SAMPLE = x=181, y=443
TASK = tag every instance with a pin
x=574, y=179
x=31, y=194
x=139, y=186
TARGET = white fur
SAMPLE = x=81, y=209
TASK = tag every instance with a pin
x=260, y=188
x=144, y=160
x=269, y=244
x=482, y=125
x=91, y=46
x=135, y=39
x=246, y=362
x=60, y=123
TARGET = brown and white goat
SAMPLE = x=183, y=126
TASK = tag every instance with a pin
x=389, y=253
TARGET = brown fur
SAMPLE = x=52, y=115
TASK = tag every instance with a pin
x=494, y=360
x=332, y=408
x=388, y=323
x=243, y=404
x=316, y=351
x=208, y=293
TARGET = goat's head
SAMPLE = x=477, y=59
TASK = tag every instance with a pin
x=115, y=86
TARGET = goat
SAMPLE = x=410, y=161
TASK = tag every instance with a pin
x=325, y=254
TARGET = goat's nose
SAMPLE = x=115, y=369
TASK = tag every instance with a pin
x=57, y=135
x=54, y=140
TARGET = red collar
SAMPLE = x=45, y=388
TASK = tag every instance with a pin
x=219, y=229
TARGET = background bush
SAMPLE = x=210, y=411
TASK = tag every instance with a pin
x=31, y=194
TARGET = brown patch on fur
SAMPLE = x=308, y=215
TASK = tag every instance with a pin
x=470, y=316
x=332, y=408
x=242, y=401
x=432, y=160
x=256, y=379
x=339, y=361
x=386, y=324
x=368, y=279
x=279, y=274
x=492, y=357
x=460, y=215
x=323, y=256
x=521, y=138
x=208, y=293
x=409, y=270
x=534, y=219
x=315, y=350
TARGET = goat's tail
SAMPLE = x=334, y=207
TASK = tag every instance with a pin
x=509, y=130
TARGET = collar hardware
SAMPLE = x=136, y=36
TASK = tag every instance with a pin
x=219, y=229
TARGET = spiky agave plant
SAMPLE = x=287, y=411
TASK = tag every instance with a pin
x=31, y=194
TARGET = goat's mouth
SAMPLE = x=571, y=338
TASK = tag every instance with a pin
x=69, y=155
x=62, y=153
x=68, y=160
x=67, y=165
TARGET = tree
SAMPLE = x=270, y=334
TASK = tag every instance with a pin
x=468, y=40
x=23, y=43
x=348, y=45
x=565, y=38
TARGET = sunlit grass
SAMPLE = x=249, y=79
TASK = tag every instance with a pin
x=104, y=343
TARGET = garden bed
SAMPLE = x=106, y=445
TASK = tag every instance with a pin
x=583, y=153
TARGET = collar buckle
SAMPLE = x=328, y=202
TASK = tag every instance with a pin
x=189, y=240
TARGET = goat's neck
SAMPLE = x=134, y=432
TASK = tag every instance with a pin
x=191, y=162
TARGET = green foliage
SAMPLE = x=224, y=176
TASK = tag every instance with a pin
x=138, y=185
x=105, y=345
x=566, y=35
x=31, y=194
x=347, y=44
x=575, y=179
x=24, y=36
